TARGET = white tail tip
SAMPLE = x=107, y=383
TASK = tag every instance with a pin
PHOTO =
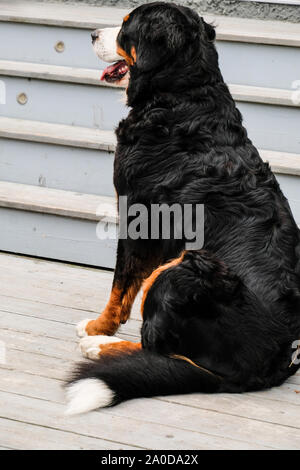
x=86, y=395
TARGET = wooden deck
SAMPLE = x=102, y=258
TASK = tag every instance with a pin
x=40, y=304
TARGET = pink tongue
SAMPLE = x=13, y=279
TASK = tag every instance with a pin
x=109, y=70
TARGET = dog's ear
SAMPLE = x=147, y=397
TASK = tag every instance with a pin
x=147, y=57
x=209, y=31
x=196, y=24
x=157, y=43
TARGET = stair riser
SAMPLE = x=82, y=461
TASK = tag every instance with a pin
x=64, y=103
x=55, y=237
x=270, y=127
x=58, y=167
x=259, y=64
x=250, y=64
x=37, y=44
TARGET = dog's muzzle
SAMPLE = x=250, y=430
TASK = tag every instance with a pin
x=105, y=44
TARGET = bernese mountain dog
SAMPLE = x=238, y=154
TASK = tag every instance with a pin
x=223, y=318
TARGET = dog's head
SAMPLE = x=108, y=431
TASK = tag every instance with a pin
x=157, y=39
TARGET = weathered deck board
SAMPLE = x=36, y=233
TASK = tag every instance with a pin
x=20, y=435
x=50, y=329
x=49, y=347
x=40, y=303
x=110, y=426
x=262, y=410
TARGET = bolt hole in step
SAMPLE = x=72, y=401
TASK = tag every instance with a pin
x=59, y=46
x=22, y=98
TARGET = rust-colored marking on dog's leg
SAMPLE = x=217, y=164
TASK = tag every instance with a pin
x=123, y=347
x=109, y=321
x=152, y=278
x=126, y=18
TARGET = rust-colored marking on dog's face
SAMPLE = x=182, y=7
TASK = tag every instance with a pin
x=133, y=53
x=130, y=60
x=126, y=18
x=152, y=278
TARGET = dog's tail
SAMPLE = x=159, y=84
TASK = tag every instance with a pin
x=136, y=374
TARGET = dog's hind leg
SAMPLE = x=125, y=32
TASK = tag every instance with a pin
x=181, y=302
x=128, y=278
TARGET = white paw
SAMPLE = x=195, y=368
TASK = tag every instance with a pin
x=91, y=345
x=80, y=327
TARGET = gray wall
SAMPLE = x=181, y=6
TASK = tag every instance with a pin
x=222, y=7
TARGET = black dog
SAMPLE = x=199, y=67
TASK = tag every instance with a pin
x=222, y=319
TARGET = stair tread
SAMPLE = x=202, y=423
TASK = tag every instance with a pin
x=248, y=93
x=228, y=28
x=255, y=94
x=282, y=162
x=58, y=202
x=256, y=31
x=53, y=72
x=61, y=134
x=86, y=16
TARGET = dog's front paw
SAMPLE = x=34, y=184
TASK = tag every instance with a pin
x=81, y=328
x=91, y=345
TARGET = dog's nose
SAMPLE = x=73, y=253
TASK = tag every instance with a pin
x=94, y=36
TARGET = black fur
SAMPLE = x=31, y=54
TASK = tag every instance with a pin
x=146, y=374
x=233, y=307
